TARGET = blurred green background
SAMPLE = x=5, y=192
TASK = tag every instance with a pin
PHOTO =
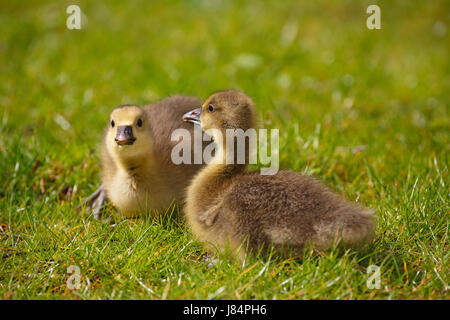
x=367, y=111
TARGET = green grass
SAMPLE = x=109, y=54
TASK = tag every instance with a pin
x=315, y=72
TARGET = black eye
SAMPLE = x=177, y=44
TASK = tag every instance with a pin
x=210, y=108
x=139, y=122
x=113, y=123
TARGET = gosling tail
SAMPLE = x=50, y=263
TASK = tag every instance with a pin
x=350, y=226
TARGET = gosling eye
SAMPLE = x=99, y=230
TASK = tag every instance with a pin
x=112, y=123
x=210, y=108
x=139, y=122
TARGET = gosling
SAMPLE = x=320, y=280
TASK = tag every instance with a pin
x=233, y=210
x=138, y=174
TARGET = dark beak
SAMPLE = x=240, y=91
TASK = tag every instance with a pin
x=193, y=116
x=125, y=135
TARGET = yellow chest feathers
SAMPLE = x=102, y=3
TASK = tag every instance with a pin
x=124, y=195
x=133, y=196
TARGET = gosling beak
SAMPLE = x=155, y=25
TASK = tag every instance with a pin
x=125, y=135
x=193, y=116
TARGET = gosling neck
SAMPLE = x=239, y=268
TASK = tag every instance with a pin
x=220, y=164
x=134, y=166
x=214, y=178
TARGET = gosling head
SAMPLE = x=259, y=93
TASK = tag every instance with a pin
x=128, y=135
x=227, y=109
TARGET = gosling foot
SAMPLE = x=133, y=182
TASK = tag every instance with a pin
x=95, y=203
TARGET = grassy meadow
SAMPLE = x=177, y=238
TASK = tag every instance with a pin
x=366, y=111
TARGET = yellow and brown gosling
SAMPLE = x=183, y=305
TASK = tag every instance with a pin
x=227, y=206
x=138, y=174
